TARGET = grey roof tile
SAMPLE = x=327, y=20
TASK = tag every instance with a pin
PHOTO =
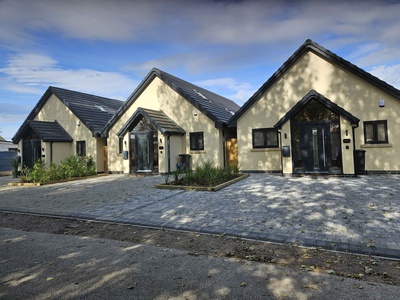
x=158, y=118
x=49, y=131
x=213, y=105
x=216, y=107
x=93, y=111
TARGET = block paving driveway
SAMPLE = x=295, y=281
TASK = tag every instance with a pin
x=360, y=215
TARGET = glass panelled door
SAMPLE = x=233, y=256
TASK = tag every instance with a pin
x=142, y=151
x=315, y=148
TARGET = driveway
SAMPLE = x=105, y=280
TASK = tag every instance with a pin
x=360, y=215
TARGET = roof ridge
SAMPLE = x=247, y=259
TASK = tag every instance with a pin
x=52, y=88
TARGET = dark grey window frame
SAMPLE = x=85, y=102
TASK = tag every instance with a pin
x=120, y=145
x=265, y=132
x=375, y=132
x=80, y=148
x=196, y=141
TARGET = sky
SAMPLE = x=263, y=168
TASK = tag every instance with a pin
x=107, y=47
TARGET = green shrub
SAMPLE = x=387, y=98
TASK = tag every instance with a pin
x=205, y=175
x=71, y=167
x=38, y=173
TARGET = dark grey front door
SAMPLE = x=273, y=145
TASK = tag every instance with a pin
x=316, y=154
x=142, y=150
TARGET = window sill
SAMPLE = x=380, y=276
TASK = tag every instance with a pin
x=376, y=146
x=197, y=151
x=265, y=149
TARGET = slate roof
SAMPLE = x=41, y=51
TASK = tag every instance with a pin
x=314, y=95
x=336, y=60
x=93, y=111
x=49, y=131
x=216, y=107
x=158, y=118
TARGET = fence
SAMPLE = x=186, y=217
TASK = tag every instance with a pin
x=5, y=159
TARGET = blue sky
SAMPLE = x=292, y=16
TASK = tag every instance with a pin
x=229, y=47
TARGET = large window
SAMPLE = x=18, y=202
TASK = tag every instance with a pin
x=196, y=141
x=265, y=138
x=81, y=148
x=375, y=132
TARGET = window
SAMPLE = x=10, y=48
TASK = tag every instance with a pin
x=196, y=141
x=265, y=138
x=81, y=148
x=375, y=132
x=120, y=145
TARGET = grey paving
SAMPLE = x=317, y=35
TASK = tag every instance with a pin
x=360, y=214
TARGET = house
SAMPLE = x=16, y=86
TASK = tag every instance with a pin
x=6, y=145
x=317, y=114
x=320, y=114
x=66, y=122
x=168, y=122
x=8, y=152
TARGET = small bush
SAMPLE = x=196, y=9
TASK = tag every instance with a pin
x=205, y=175
x=71, y=167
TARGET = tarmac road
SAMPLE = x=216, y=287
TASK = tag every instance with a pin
x=48, y=266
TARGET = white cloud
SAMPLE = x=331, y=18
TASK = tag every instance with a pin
x=11, y=117
x=33, y=73
x=208, y=36
x=390, y=74
x=378, y=56
x=200, y=22
x=239, y=92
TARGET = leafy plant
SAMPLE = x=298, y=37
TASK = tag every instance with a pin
x=14, y=163
x=71, y=167
x=205, y=175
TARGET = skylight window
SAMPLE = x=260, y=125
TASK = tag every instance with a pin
x=201, y=95
x=100, y=107
x=230, y=111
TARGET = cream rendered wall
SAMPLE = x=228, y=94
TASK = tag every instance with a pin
x=159, y=96
x=176, y=148
x=355, y=95
x=60, y=151
x=54, y=109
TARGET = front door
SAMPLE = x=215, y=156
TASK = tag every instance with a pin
x=142, y=151
x=31, y=152
x=315, y=148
